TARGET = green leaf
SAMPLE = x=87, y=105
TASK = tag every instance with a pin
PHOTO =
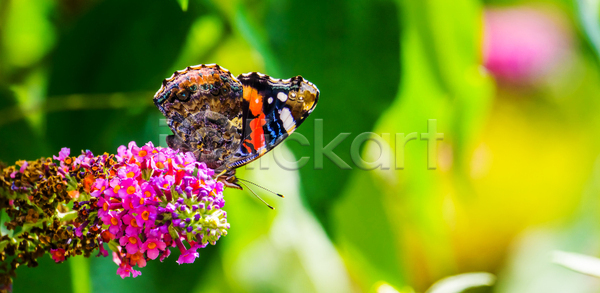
x=3, y=244
x=183, y=4
x=124, y=59
x=364, y=234
x=12, y=126
x=402, y=212
x=350, y=50
x=113, y=245
x=71, y=182
x=68, y=216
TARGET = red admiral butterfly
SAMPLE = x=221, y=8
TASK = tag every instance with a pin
x=228, y=122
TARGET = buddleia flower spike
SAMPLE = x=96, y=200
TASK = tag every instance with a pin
x=139, y=203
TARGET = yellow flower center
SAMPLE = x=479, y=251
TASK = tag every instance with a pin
x=114, y=221
x=116, y=189
x=145, y=215
x=132, y=240
x=130, y=174
x=148, y=193
x=151, y=245
x=160, y=165
x=131, y=189
x=142, y=153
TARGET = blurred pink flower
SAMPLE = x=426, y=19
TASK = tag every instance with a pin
x=57, y=255
x=523, y=44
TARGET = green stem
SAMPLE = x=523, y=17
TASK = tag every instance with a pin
x=80, y=274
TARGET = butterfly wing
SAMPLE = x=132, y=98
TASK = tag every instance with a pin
x=203, y=107
x=272, y=110
x=228, y=122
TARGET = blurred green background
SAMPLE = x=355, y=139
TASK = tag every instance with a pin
x=514, y=87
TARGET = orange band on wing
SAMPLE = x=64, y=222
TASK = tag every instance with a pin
x=257, y=135
x=255, y=100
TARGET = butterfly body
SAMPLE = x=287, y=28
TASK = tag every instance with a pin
x=228, y=122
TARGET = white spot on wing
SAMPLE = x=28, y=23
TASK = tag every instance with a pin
x=287, y=119
x=270, y=100
x=282, y=97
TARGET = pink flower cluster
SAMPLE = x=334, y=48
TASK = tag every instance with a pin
x=148, y=200
x=525, y=43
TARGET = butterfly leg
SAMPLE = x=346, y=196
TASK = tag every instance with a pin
x=229, y=179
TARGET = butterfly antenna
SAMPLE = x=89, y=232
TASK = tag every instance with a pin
x=278, y=194
x=257, y=196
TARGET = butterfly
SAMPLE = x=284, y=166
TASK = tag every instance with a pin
x=228, y=122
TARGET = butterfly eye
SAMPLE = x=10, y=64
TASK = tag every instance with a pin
x=193, y=88
x=292, y=96
x=224, y=90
